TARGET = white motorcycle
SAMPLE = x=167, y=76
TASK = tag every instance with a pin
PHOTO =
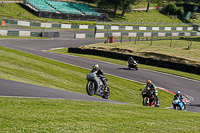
x=96, y=87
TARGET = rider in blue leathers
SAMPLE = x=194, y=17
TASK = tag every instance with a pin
x=178, y=95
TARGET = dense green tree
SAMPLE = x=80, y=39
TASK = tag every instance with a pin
x=171, y=8
x=126, y=5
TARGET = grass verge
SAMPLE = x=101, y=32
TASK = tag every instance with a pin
x=46, y=115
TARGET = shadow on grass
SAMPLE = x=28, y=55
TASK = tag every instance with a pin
x=196, y=39
x=115, y=17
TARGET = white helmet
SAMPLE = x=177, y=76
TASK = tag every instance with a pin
x=178, y=92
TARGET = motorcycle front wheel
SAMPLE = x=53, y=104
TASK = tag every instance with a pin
x=90, y=88
x=106, y=94
x=177, y=108
x=146, y=101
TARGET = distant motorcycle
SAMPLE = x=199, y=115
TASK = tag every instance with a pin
x=132, y=65
x=148, y=98
x=178, y=104
x=96, y=87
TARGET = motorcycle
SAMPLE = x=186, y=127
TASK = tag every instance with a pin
x=96, y=87
x=148, y=98
x=132, y=65
x=178, y=104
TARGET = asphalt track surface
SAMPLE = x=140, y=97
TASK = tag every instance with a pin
x=36, y=47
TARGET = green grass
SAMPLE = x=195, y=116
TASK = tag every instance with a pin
x=159, y=69
x=154, y=16
x=46, y=115
x=22, y=67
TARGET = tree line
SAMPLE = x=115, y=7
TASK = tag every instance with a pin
x=126, y=5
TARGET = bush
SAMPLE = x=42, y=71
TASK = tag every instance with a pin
x=171, y=9
x=180, y=11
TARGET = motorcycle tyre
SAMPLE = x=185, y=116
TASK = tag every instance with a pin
x=145, y=103
x=136, y=68
x=106, y=94
x=90, y=91
x=177, y=108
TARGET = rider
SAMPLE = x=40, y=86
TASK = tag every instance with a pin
x=178, y=95
x=99, y=73
x=154, y=90
x=131, y=60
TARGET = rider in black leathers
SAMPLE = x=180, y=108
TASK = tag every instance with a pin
x=131, y=60
x=154, y=90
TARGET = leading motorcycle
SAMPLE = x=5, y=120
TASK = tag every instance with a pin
x=96, y=87
x=132, y=65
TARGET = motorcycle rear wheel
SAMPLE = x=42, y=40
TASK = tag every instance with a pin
x=106, y=94
x=90, y=88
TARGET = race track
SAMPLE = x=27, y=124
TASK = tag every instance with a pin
x=36, y=47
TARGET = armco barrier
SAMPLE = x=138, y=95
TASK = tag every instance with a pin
x=147, y=61
x=29, y=33
x=137, y=34
x=103, y=27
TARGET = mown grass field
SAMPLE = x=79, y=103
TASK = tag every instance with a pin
x=46, y=115
x=154, y=16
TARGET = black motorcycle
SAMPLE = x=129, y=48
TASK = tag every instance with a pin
x=132, y=65
x=148, y=98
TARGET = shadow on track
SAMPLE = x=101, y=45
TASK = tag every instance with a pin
x=194, y=105
x=126, y=69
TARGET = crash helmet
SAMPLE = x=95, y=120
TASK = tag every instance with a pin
x=178, y=92
x=95, y=67
x=131, y=58
x=149, y=82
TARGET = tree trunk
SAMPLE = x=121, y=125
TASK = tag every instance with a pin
x=115, y=10
x=124, y=8
x=148, y=5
